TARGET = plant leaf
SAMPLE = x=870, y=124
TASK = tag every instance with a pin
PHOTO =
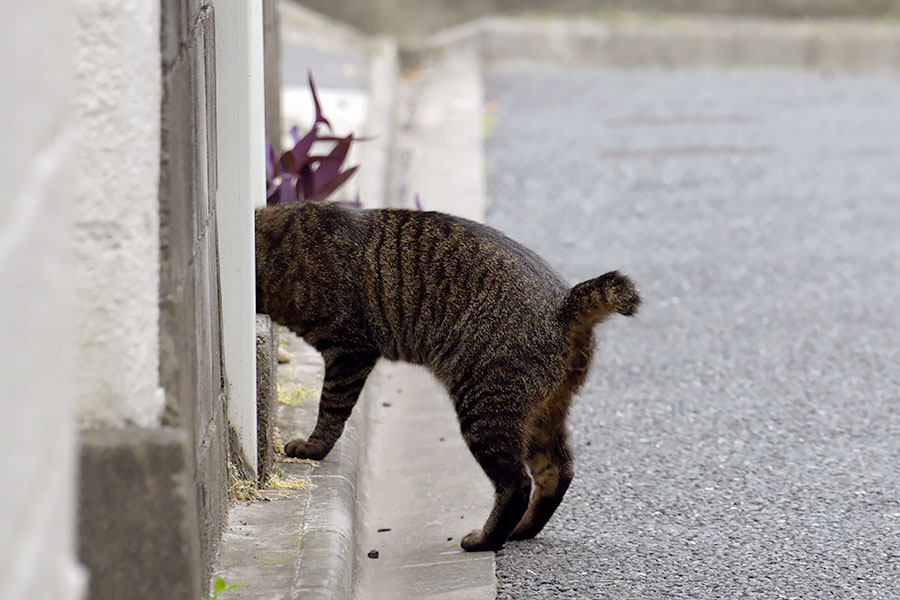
x=288, y=162
x=329, y=166
x=286, y=190
x=320, y=118
x=305, y=184
x=334, y=183
x=301, y=149
x=220, y=586
x=270, y=161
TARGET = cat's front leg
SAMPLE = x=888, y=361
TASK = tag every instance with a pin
x=346, y=371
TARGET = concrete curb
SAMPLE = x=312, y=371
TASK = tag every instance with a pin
x=633, y=40
x=328, y=538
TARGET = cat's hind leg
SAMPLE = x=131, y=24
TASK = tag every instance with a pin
x=345, y=374
x=549, y=456
x=492, y=429
x=551, y=466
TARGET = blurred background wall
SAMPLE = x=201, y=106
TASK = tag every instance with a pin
x=411, y=17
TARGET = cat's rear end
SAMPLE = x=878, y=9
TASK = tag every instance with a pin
x=495, y=324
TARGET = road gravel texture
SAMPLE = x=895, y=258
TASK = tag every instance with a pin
x=741, y=437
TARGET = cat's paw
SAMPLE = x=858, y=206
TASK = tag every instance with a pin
x=472, y=541
x=300, y=448
x=475, y=541
x=521, y=532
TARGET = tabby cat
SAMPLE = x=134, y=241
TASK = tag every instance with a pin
x=491, y=320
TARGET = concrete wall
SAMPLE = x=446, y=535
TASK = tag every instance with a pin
x=412, y=17
x=117, y=63
x=37, y=444
x=138, y=514
x=191, y=369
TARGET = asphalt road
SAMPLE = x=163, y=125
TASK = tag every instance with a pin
x=741, y=437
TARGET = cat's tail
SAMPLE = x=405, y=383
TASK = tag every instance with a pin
x=593, y=300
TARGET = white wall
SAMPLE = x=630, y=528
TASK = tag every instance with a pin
x=117, y=213
x=37, y=445
x=240, y=126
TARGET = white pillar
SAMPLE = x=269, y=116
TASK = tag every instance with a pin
x=240, y=120
x=37, y=441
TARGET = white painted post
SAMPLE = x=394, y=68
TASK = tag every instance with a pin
x=37, y=431
x=240, y=102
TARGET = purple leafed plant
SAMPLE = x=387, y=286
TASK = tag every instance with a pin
x=298, y=175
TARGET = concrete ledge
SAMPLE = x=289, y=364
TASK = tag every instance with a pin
x=137, y=514
x=634, y=40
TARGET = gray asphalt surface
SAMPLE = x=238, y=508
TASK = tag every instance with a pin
x=741, y=437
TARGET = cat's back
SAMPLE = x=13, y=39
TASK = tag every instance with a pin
x=434, y=283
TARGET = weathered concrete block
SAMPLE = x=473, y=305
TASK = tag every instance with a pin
x=266, y=394
x=137, y=514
